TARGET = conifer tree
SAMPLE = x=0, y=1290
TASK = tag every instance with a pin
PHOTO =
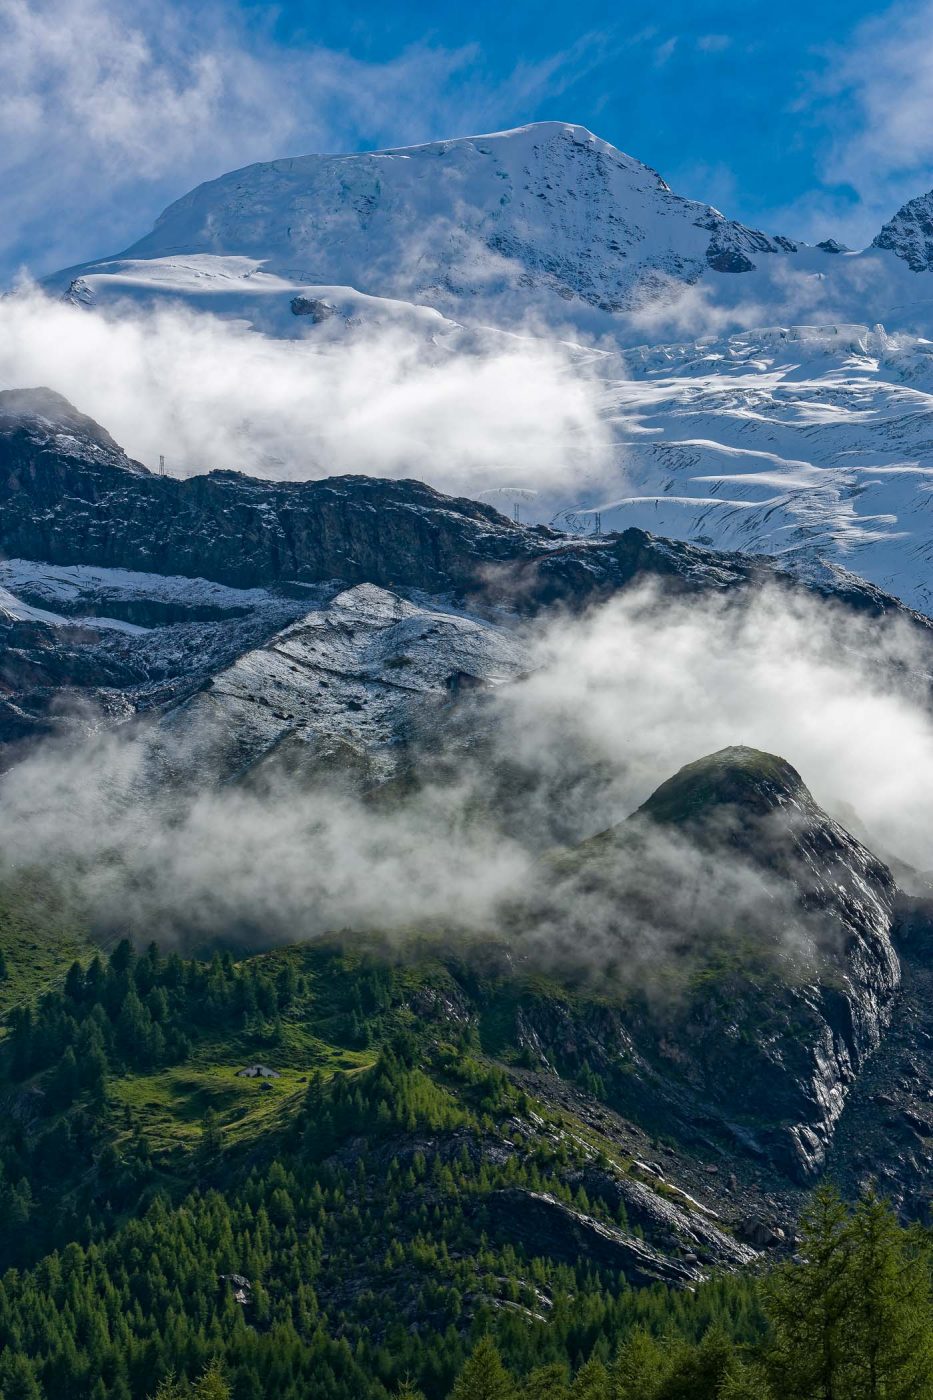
x=744, y=1381
x=890, y=1328
x=408, y=1391
x=640, y=1368
x=808, y=1304
x=545, y=1383
x=483, y=1376
x=212, y=1385
x=592, y=1382
x=168, y=1389
x=20, y=1381
x=66, y=1080
x=74, y=982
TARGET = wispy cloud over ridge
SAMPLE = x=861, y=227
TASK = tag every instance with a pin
x=614, y=703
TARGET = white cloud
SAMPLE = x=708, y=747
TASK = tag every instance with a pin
x=645, y=686
x=388, y=401
x=868, y=112
x=886, y=72
x=96, y=101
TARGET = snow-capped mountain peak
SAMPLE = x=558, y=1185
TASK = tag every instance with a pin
x=546, y=214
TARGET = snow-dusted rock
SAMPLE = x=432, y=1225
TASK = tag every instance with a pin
x=347, y=679
x=132, y=592
x=909, y=235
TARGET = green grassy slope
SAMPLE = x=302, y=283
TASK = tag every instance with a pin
x=40, y=937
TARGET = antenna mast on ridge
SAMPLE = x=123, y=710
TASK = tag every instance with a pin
x=161, y=464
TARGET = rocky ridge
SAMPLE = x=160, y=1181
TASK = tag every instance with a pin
x=133, y=591
x=69, y=496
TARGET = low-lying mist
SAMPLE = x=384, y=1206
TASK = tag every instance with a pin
x=615, y=702
x=467, y=413
x=645, y=684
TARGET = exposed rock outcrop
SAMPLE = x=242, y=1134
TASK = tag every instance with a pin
x=770, y=927
x=909, y=234
x=540, y=1222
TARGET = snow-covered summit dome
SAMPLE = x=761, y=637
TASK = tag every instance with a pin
x=546, y=213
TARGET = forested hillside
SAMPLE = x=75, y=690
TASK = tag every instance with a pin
x=387, y=1206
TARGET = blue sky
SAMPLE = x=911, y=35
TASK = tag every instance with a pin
x=722, y=96
x=806, y=119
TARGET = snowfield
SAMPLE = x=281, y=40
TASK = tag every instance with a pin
x=811, y=443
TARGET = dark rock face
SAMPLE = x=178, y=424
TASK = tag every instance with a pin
x=316, y=310
x=69, y=495
x=910, y=233
x=77, y=499
x=42, y=415
x=672, y=1224
x=829, y=1024
x=783, y=993
x=538, y=1221
x=41, y=666
x=885, y=1134
x=730, y=261
x=671, y=1220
